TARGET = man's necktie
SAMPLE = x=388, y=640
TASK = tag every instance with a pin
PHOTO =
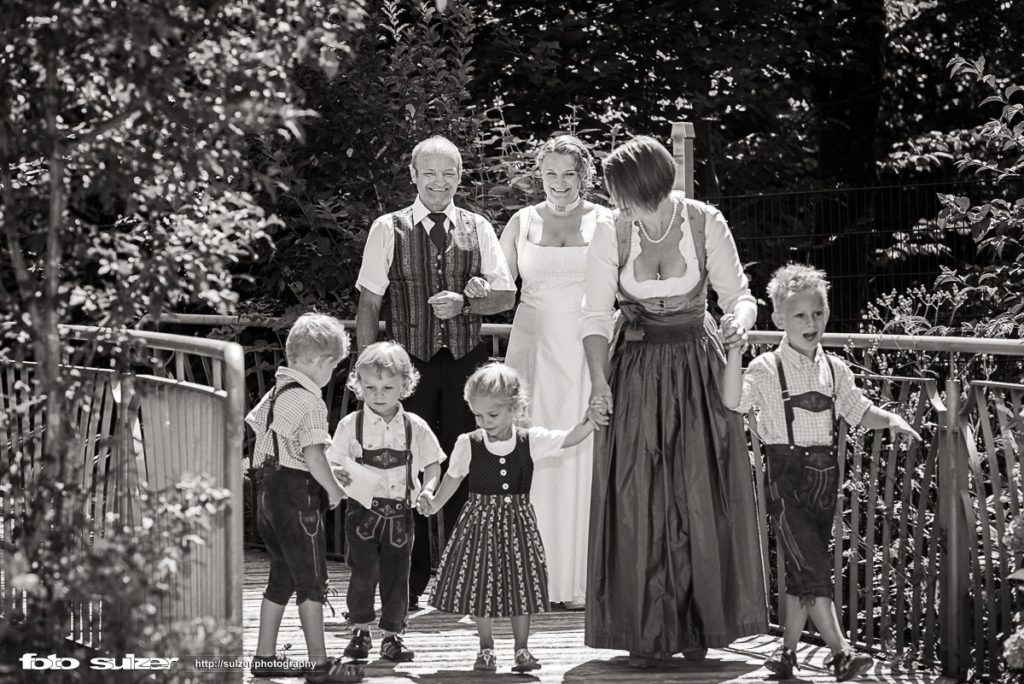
x=437, y=234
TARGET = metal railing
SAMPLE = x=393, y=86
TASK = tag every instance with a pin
x=178, y=410
x=912, y=571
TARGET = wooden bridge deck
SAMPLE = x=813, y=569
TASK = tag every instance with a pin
x=446, y=646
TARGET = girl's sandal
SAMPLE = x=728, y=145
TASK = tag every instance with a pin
x=486, y=661
x=525, y=661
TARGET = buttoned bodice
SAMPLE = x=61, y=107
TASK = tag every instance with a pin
x=493, y=474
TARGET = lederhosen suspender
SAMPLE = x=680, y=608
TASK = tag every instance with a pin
x=388, y=519
x=273, y=463
x=819, y=486
x=788, y=400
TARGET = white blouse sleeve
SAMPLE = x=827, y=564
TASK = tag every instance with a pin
x=462, y=454
x=377, y=255
x=725, y=272
x=602, y=282
x=545, y=442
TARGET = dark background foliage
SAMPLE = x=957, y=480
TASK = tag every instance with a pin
x=786, y=96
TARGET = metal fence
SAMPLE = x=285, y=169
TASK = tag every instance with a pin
x=869, y=240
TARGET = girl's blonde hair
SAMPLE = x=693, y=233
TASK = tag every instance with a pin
x=794, y=278
x=380, y=358
x=501, y=382
x=315, y=335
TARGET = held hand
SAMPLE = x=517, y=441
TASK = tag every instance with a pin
x=601, y=399
x=733, y=334
x=333, y=499
x=477, y=287
x=898, y=424
x=598, y=418
x=425, y=503
x=342, y=475
x=446, y=304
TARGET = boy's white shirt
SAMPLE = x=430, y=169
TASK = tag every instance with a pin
x=381, y=434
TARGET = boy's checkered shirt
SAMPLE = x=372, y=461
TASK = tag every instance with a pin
x=762, y=391
x=300, y=419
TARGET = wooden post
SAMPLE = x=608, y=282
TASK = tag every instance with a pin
x=954, y=647
x=682, y=151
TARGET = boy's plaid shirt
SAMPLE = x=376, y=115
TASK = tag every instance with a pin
x=300, y=419
x=762, y=391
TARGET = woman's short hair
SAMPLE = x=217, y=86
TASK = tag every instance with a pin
x=315, y=335
x=436, y=144
x=640, y=173
x=502, y=382
x=380, y=358
x=574, y=147
x=792, y=279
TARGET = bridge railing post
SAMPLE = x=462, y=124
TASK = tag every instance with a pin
x=682, y=152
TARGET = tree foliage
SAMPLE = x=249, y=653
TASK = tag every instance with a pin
x=985, y=300
x=125, y=188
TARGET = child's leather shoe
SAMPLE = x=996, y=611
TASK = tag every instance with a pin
x=782, y=663
x=359, y=645
x=392, y=648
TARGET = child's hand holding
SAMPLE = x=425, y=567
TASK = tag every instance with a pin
x=732, y=333
x=898, y=424
x=425, y=503
x=476, y=288
x=597, y=415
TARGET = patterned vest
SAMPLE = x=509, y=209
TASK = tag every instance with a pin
x=419, y=271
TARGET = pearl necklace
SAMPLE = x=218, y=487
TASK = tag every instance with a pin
x=562, y=208
x=643, y=229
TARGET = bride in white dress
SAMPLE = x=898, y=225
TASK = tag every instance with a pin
x=546, y=244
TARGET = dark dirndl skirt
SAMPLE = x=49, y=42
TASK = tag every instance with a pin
x=675, y=555
x=493, y=565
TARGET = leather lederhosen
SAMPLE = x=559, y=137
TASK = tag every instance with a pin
x=388, y=520
x=802, y=486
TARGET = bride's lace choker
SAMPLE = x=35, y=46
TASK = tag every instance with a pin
x=562, y=208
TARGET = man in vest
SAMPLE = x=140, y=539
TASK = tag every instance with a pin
x=439, y=268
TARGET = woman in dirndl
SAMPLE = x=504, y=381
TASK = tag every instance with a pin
x=674, y=559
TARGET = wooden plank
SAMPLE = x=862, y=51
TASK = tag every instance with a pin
x=853, y=571
x=982, y=401
x=925, y=563
x=762, y=514
x=1011, y=448
x=887, y=579
x=977, y=520
x=838, y=571
x=869, y=550
x=446, y=645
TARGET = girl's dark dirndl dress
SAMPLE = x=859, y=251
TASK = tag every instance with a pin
x=494, y=565
x=675, y=555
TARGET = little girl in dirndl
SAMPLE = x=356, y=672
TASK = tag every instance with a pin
x=494, y=565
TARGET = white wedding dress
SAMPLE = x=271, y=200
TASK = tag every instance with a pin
x=545, y=347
